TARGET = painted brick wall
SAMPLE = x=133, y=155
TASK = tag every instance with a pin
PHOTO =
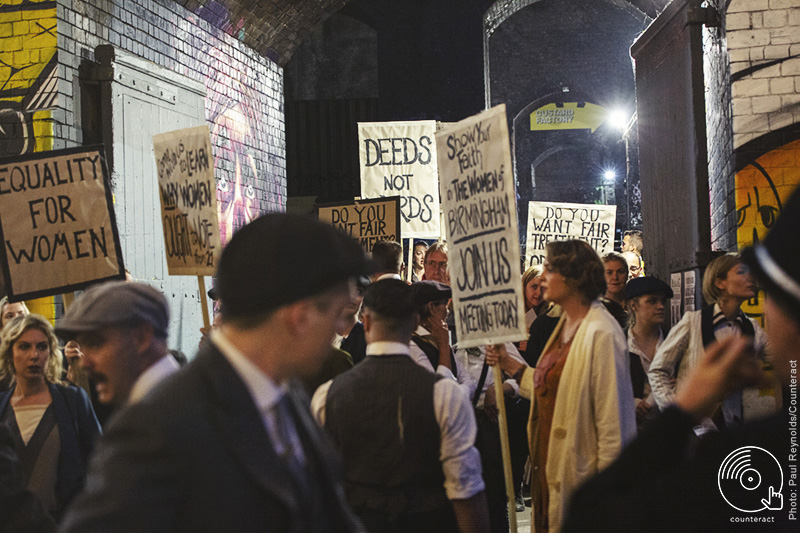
x=764, y=45
x=244, y=103
x=752, y=71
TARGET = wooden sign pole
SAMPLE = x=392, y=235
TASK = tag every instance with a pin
x=201, y=282
x=503, y=421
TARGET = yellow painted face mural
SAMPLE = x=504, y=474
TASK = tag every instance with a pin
x=761, y=189
x=28, y=61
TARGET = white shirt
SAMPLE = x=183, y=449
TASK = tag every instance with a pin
x=152, y=376
x=419, y=357
x=265, y=394
x=470, y=364
x=460, y=460
x=634, y=349
x=389, y=276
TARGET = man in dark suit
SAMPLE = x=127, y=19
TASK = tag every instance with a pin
x=227, y=444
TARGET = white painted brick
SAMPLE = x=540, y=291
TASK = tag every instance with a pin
x=756, y=54
x=766, y=104
x=791, y=67
x=738, y=21
x=757, y=20
x=750, y=87
x=780, y=120
x=781, y=4
x=742, y=106
x=794, y=50
x=773, y=71
x=794, y=17
x=737, y=6
x=783, y=35
x=751, y=124
x=797, y=84
x=776, y=51
x=776, y=18
x=746, y=38
x=781, y=85
x=737, y=56
x=790, y=100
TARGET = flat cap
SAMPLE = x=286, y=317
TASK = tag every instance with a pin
x=646, y=285
x=430, y=291
x=280, y=258
x=116, y=303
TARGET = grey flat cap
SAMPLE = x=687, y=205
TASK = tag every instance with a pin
x=116, y=303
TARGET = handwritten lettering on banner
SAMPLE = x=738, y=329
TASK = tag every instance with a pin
x=367, y=221
x=399, y=159
x=480, y=215
x=188, y=194
x=57, y=223
x=551, y=221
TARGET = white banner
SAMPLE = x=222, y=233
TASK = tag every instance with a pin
x=551, y=221
x=480, y=217
x=399, y=159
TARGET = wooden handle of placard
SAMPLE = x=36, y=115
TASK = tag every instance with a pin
x=68, y=298
x=503, y=421
x=201, y=281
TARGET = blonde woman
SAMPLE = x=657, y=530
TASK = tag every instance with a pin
x=727, y=284
x=54, y=425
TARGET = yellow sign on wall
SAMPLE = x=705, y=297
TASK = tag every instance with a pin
x=568, y=116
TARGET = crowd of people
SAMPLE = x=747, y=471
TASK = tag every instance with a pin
x=331, y=394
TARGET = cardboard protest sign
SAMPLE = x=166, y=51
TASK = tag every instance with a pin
x=480, y=214
x=399, y=158
x=57, y=223
x=188, y=194
x=367, y=221
x=552, y=221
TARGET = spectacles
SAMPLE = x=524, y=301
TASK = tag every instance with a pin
x=438, y=264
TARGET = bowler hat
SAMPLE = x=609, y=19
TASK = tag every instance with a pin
x=391, y=298
x=646, y=285
x=116, y=303
x=280, y=258
x=775, y=262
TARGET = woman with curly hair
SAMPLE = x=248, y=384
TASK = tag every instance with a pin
x=54, y=425
x=582, y=411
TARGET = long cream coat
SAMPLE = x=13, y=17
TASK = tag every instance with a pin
x=594, y=416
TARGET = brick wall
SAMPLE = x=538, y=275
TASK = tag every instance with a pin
x=752, y=71
x=235, y=77
x=764, y=46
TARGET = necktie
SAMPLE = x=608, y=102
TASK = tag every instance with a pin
x=291, y=448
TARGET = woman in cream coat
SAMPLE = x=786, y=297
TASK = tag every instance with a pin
x=582, y=412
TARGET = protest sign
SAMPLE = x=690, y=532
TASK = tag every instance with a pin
x=188, y=193
x=551, y=221
x=367, y=221
x=480, y=217
x=57, y=223
x=399, y=158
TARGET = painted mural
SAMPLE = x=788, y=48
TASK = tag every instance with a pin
x=28, y=61
x=762, y=188
x=238, y=120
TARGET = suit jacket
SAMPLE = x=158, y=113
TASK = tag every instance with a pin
x=194, y=456
x=78, y=429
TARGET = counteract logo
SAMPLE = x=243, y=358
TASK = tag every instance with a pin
x=751, y=480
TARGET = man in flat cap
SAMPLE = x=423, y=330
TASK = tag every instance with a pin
x=122, y=329
x=227, y=444
x=406, y=435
